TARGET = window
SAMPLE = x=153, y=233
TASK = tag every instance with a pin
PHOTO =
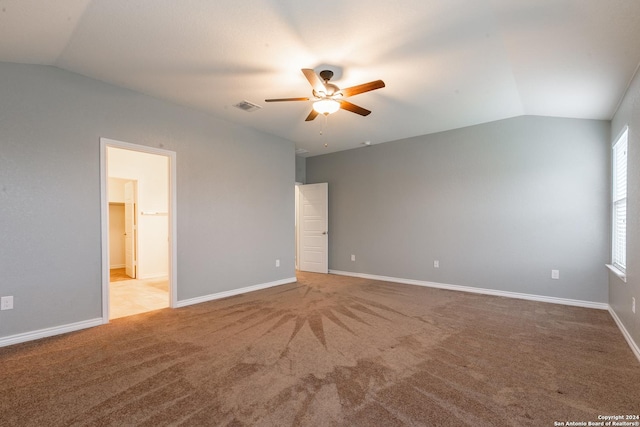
x=619, y=205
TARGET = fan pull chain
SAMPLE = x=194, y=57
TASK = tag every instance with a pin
x=322, y=128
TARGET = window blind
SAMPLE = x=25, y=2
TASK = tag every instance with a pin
x=619, y=214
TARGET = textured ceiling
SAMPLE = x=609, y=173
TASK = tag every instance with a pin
x=446, y=64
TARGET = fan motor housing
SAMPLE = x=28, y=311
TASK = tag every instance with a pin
x=326, y=75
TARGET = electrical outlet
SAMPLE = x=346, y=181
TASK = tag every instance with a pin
x=633, y=305
x=555, y=274
x=353, y=257
x=277, y=263
x=436, y=264
x=6, y=303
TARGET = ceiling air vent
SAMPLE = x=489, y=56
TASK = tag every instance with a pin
x=300, y=151
x=247, y=106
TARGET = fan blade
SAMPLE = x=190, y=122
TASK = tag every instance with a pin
x=312, y=115
x=314, y=80
x=286, y=99
x=345, y=105
x=366, y=87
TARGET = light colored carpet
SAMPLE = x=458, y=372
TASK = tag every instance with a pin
x=329, y=351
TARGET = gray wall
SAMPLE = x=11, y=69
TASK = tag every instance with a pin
x=620, y=293
x=234, y=186
x=301, y=169
x=499, y=205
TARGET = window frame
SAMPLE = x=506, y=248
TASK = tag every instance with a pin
x=618, y=200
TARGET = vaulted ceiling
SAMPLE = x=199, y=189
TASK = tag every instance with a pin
x=446, y=64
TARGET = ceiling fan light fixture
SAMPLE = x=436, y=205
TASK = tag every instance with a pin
x=329, y=98
x=326, y=106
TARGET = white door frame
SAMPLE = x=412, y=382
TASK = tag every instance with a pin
x=130, y=219
x=173, y=252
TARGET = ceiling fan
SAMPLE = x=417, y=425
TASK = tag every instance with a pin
x=329, y=98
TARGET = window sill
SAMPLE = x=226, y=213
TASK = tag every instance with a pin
x=617, y=272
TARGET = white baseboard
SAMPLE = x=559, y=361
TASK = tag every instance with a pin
x=49, y=332
x=565, y=301
x=232, y=292
x=117, y=266
x=71, y=327
x=57, y=330
x=484, y=291
x=625, y=333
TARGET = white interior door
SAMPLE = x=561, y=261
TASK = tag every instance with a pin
x=313, y=230
x=129, y=229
